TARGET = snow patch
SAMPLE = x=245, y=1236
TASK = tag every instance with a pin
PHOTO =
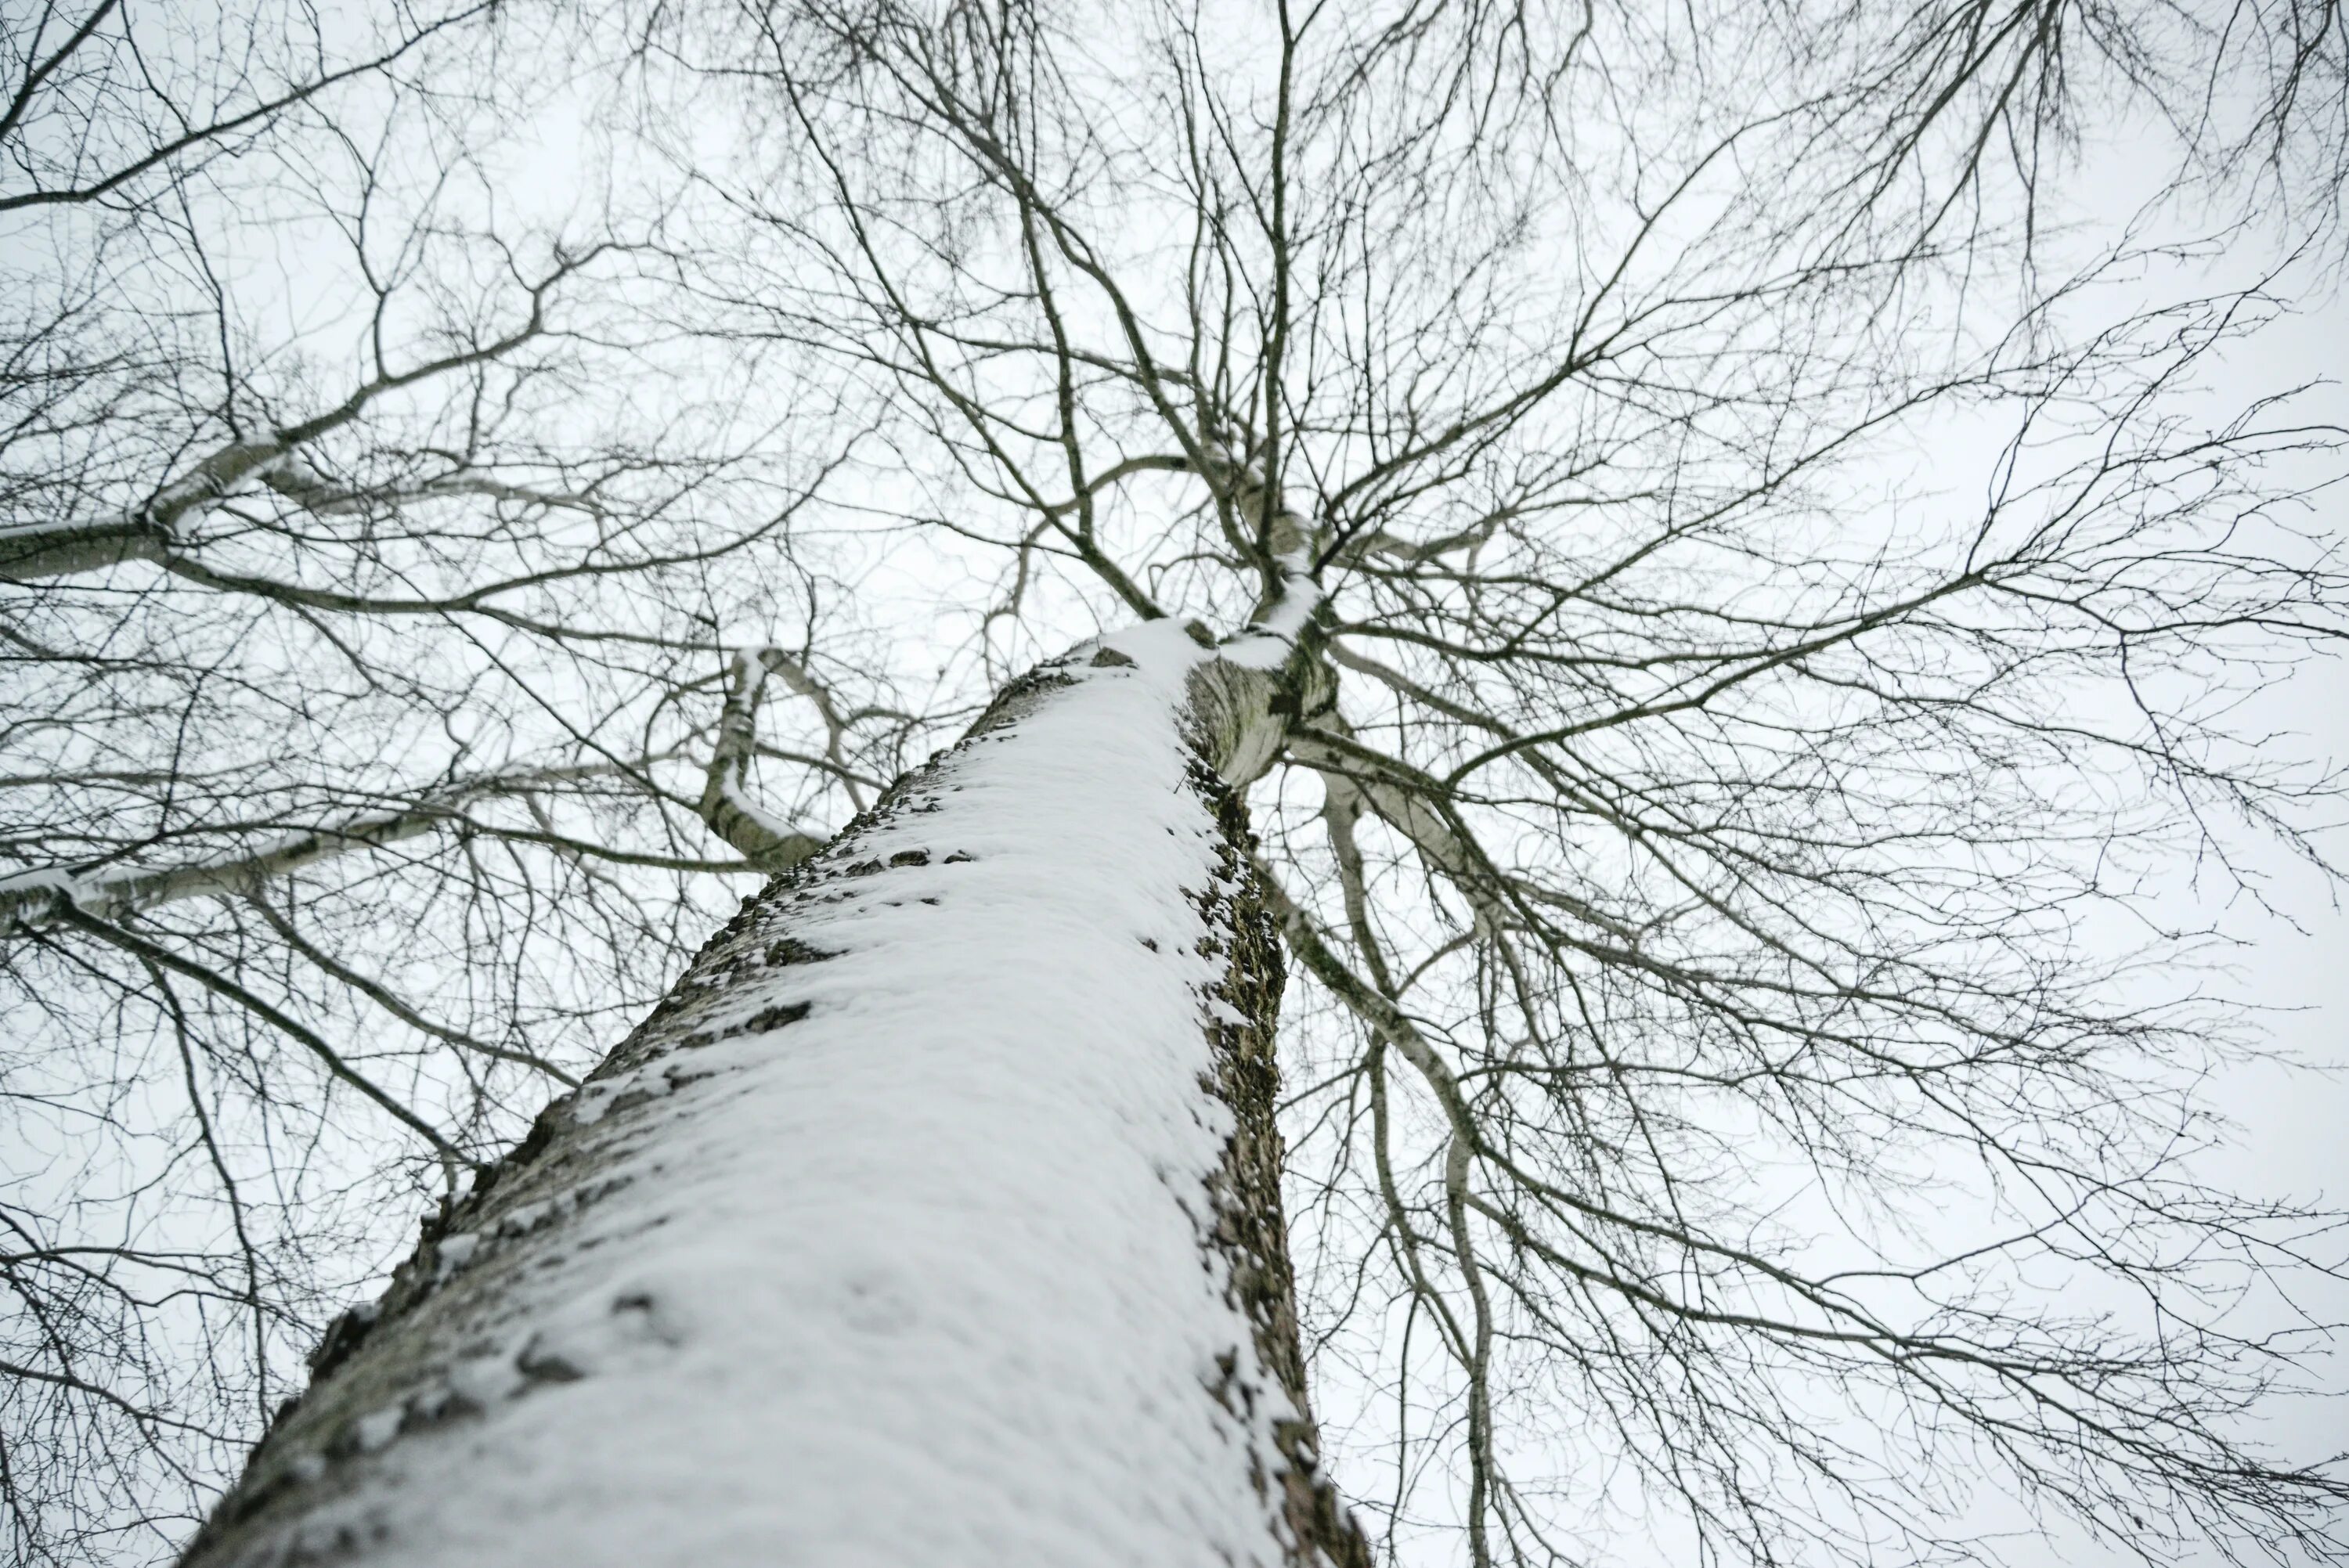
x=917, y=1279
x=453, y=1253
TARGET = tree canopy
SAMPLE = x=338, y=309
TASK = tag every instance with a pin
x=484, y=485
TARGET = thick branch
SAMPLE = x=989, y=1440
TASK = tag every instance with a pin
x=38, y=897
x=726, y=804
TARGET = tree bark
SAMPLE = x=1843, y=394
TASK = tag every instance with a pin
x=933, y=1217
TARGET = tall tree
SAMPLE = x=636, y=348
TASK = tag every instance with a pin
x=884, y=1235
x=365, y=590
x=1714, y=1087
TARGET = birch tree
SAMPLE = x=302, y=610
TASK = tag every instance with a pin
x=1472, y=455
x=364, y=576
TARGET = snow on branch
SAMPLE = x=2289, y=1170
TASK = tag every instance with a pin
x=765, y=840
x=46, y=893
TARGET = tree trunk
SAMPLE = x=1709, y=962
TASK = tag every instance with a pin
x=933, y=1218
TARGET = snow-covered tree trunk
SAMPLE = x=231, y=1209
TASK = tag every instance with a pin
x=933, y=1218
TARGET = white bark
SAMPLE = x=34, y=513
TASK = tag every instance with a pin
x=37, y=897
x=932, y=1219
x=726, y=802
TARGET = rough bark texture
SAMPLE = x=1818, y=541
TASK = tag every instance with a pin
x=1247, y=1225
x=32, y=554
x=413, y=1361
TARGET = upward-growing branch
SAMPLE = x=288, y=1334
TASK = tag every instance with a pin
x=726, y=804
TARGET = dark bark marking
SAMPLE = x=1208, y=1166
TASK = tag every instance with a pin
x=1247, y=1225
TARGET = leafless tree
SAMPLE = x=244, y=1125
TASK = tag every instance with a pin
x=1712, y=1072
x=368, y=636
